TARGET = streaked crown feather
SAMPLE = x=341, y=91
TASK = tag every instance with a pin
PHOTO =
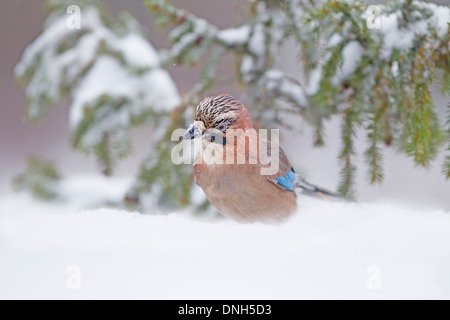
x=219, y=109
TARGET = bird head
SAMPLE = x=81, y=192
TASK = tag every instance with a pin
x=215, y=115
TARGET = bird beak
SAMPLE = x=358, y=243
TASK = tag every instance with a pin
x=193, y=132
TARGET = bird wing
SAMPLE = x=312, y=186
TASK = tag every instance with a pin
x=287, y=179
x=284, y=178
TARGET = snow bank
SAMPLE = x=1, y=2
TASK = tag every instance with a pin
x=328, y=250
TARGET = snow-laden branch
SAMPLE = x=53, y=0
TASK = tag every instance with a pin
x=113, y=80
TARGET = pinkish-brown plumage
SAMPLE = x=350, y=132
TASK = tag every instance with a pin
x=239, y=190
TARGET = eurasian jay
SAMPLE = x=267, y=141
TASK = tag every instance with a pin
x=230, y=173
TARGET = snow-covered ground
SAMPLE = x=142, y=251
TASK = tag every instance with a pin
x=328, y=250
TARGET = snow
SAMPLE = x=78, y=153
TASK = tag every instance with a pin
x=334, y=40
x=256, y=43
x=56, y=31
x=128, y=71
x=254, y=63
x=277, y=81
x=393, y=36
x=314, y=81
x=440, y=16
x=403, y=38
x=138, y=51
x=327, y=250
x=201, y=28
x=46, y=45
x=351, y=55
x=394, y=68
x=183, y=43
x=246, y=66
x=235, y=36
x=106, y=77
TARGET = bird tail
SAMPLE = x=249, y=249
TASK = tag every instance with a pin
x=313, y=190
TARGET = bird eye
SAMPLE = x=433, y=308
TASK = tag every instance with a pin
x=221, y=127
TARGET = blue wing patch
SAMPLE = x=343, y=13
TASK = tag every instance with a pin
x=287, y=180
